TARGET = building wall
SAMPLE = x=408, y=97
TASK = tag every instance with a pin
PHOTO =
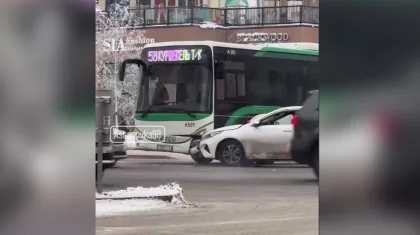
x=133, y=42
x=265, y=3
x=101, y=4
x=219, y=3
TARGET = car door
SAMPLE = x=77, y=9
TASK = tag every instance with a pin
x=271, y=138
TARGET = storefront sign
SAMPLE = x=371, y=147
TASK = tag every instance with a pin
x=261, y=37
x=128, y=44
x=174, y=55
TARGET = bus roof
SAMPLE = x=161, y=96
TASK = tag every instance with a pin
x=304, y=48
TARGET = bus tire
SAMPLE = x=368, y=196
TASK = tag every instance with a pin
x=198, y=158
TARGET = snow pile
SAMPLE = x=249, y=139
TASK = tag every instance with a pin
x=126, y=207
x=172, y=189
x=136, y=200
x=210, y=25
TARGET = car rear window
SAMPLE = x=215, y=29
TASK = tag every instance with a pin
x=311, y=103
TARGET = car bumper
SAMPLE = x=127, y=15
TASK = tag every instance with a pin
x=148, y=146
x=208, y=148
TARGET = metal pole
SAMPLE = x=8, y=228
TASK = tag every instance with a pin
x=99, y=136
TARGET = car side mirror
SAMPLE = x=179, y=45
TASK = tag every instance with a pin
x=255, y=123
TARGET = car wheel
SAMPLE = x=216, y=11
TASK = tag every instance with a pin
x=198, y=158
x=231, y=153
x=315, y=164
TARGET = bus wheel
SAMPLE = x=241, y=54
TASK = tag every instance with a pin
x=198, y=158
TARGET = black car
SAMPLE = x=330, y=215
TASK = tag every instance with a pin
x=305, y=141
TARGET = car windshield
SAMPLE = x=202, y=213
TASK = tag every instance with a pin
x=176, y=88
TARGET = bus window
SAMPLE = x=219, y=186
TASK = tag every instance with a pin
x=241, y=84
x=220, y=89
x=230, y=85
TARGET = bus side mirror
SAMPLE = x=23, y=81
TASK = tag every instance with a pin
x=126, y=63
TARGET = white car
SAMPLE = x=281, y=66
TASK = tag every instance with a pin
x=264, y=139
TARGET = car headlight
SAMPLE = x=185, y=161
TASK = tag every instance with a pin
x=209, y=135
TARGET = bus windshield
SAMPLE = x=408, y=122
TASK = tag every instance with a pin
x=176, y=86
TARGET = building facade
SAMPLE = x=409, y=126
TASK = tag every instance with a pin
x=234, y=25
x=221, y=20
x=104, y=4
x=137, y=39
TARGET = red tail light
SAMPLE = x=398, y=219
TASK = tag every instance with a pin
x=387, y=125
x=295, y=121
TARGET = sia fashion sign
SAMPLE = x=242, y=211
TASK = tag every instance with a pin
x=261, y=37
x=174, y=55
x=129, y=44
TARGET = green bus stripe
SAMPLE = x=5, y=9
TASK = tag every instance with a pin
x=289, y=51
x=290, y=54
x=287, y=56
x=235, y=117
x=171, y=117
x=249, y=111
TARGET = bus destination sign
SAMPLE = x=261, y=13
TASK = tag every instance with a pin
x=174, y=55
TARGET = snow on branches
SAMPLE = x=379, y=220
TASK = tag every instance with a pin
x=111, y=50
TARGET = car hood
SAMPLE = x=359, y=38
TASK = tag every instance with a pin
x=227, y=128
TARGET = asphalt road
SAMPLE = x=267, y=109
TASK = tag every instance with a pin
x=280, y=199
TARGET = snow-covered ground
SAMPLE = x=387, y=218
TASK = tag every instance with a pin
x=111, y=207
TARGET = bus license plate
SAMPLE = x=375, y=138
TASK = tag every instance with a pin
x=166, y=148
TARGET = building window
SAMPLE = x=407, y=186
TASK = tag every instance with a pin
x=293, y=11
x=143, y=3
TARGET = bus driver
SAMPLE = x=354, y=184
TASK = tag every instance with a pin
x=161, y=94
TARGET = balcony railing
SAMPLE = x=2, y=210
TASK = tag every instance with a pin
x=170, y=16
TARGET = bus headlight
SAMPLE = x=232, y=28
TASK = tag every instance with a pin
x=211, y=134
x=200, y=132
